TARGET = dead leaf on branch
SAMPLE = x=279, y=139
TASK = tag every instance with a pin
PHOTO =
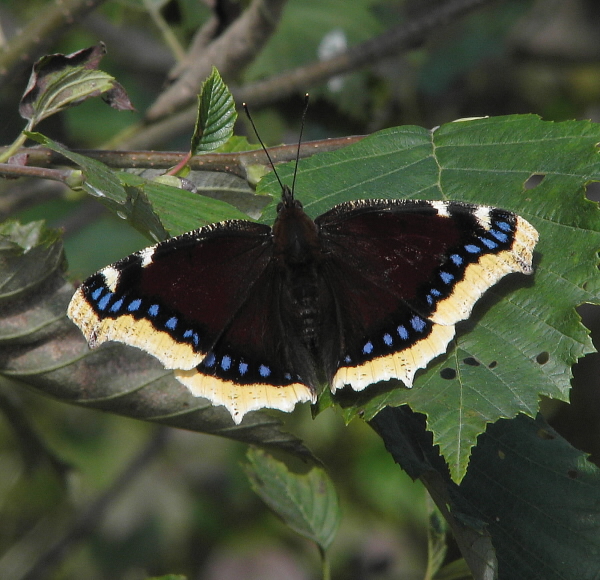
x=59, y=81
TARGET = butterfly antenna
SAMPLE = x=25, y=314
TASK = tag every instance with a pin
x=300, y=141
x=247, y=111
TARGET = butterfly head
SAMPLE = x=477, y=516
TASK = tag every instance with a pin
x=288, y=201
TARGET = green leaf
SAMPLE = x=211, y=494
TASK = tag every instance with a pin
x=155, y=209
x=238, y=143
x=545, y=521
x=529, y=506
x=42, y=349
x=179, y=210
x=216, y=115
x=59, y=81
x=525, y=333
x=307, y=503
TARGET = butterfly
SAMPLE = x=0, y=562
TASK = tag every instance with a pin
x=251, y=316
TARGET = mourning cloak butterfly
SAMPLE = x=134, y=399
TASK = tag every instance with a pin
x=251, y=316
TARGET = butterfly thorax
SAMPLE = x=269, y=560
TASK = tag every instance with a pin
x=295, y=235
x=305, y=301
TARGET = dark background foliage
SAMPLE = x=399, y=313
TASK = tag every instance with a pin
x=99, y=496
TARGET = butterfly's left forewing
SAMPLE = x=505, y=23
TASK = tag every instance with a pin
x=412, y=270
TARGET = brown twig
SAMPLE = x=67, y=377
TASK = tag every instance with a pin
x=401, y=37
x=230, y=52
x=41, y=158
x=9, y=170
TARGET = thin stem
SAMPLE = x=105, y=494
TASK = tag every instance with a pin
x=170, y=38
x=17, y=143
x=325, y=566
x=13, y=148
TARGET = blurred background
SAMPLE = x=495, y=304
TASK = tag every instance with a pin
x=171, y=501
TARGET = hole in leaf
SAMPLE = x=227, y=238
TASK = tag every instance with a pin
x=448, y=373
x=573, y=473
x=501, y=454
x=493, y=364
x=472, y=362
x=533, y=181
x=542, y=358
x=592, y=191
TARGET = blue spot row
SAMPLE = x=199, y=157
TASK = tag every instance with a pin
x=102, y=303
x=417, y=324
x=226, y=363
x=448, y=278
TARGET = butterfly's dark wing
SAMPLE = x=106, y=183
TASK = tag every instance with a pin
x=254, y=362
x=186, y=302
x=404, y=272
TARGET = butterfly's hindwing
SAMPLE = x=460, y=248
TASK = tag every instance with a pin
x=254, y=363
